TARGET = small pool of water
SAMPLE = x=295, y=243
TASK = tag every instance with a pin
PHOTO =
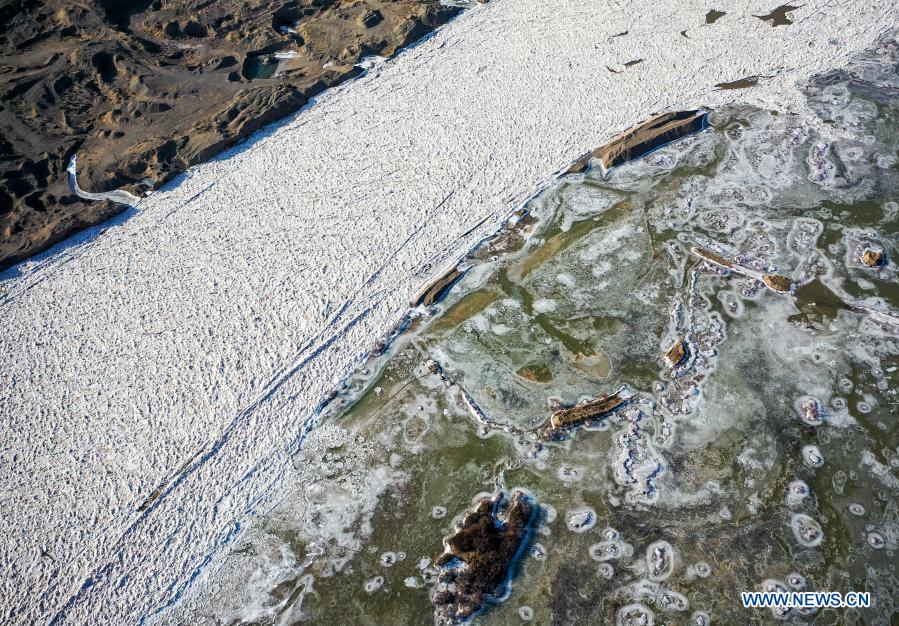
x=260, y=66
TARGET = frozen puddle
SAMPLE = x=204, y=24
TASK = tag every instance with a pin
x=160, y=379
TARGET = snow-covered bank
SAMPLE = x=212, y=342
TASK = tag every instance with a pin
x=157, y=380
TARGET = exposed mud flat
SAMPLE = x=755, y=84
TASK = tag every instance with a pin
x=143, y=90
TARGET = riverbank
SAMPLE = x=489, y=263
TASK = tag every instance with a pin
x=144, y=90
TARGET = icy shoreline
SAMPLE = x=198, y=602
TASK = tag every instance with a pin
x=183, y=352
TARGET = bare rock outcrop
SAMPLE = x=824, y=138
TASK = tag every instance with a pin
x=478, y=557
x=142, y=90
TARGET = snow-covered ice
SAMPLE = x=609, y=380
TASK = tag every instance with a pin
x=183, y=350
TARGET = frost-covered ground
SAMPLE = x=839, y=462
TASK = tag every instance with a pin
x=181, y=353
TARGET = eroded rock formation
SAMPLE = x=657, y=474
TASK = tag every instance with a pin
x=144, y=89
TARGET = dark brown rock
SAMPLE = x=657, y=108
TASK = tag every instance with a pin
x=708, y=255
x=713, y=16
x=479, y=556
x=779, y=16
x=872, y=257
x=742, y=83
x=564, y=420
x=370, y=18
x=439, y=288
x=644, y=138
x=676, y=353
x=776, y=282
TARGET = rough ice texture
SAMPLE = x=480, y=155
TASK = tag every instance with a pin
x=183, y=350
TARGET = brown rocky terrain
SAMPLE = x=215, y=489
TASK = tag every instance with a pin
x=479, y=556
x=643, y=138
x=143, y=89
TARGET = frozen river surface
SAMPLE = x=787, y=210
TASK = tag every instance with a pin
x=158, y=378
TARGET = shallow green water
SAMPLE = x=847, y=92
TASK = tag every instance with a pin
x=712, y=457
x=260, y=66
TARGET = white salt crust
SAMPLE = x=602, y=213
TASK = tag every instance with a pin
x=189, y=344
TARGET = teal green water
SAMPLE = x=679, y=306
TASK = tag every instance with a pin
x=714, y=458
